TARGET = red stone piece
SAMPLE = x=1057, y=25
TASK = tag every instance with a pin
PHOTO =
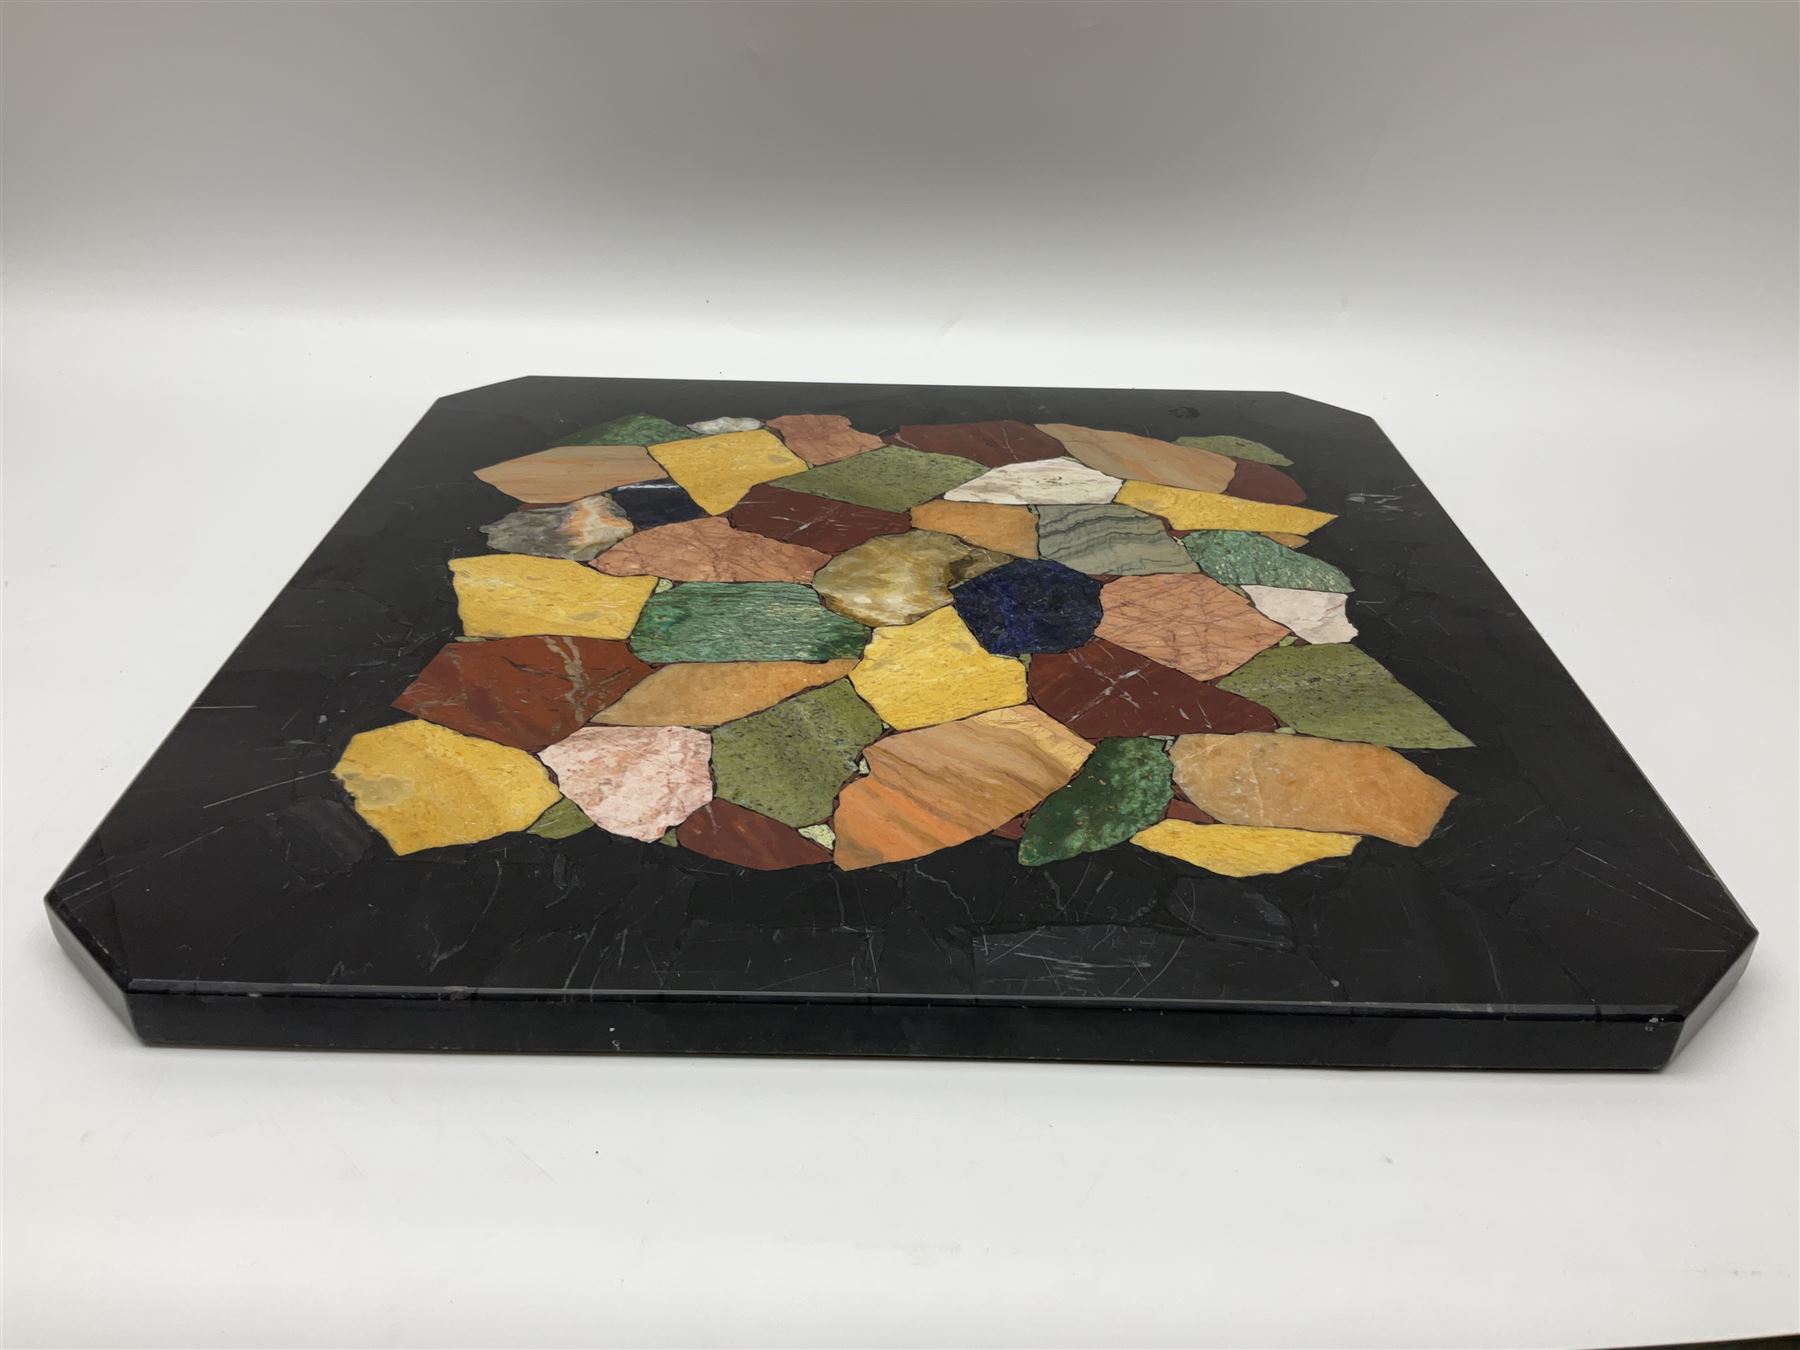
x=994, y=444
x=735, y=835
x=1012, y=829
x=815, y=522
x=1264, y=483
x=528, y=692
x=1102, y=689
x=1182, y=809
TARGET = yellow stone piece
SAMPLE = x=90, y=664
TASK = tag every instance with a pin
x=710, y=693
x=1009, y=529
x=934, y=671
x=1187, y=510
x=1286, y=540
x=718, y=470
x=424, y=786
x=512, y=595
x=1242, y=850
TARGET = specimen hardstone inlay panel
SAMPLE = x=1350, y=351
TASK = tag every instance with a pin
x=692, y=711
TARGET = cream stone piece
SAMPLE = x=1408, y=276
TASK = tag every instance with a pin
x=1317, y=616
x=1037, y=481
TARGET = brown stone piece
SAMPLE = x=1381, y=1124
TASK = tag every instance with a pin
x=814, y=522
x=1186, y=621
x=711, y=693
x=1181, y=809
x=1124, y=454
x=527, y=692
x=733, y=834
x=945, y=784
x=1012, y=829
x=709, y=549
x=567, y=472
x=822, y=438
x=1010, y=529
x=1305, y=783
x=1264, y=483
x=1102, y=689
x=993, y=444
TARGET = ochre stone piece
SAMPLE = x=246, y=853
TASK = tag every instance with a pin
x=1317, y=616
x=934, y=671
x=1029, y=605
x=789, y=761
x=631, y=429
x=523, y=691
x=1264, y=483
x=1341, y=692
x=888, y=478
x=992, y=444
x=1237, y=558
x=634, y=781
x=710, y=549
x=515, y=595
x=822, y=438
x=1303, y=783
x=1124, y=787
x=946, y=784
x=718, y=470
x=420, y=785
x=566, y=473
x=562, y=821
x=1187, y=510
x=706, y=693
x=1010, y=529
x=577, y=531
x=1123, y=454
x=1238, y=851
x=1237, y=447
x=716, y=426
x=731, y=834
x=1038, y=481
x=1287, y=540
x=896, y=578
x=1191, y=623
x=1109, y=540
x=743, y=621
x=815, y=522
x=1102, y=689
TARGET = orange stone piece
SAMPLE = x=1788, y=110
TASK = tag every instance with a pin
x=822, y=438
x=1186, y=621
x=569, y=472
x=1124, y=454
x=1009, y=529
x=709, y=549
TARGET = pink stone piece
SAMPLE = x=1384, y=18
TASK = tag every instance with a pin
x=636, y=781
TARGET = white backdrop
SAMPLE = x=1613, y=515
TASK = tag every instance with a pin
x=1550, y=248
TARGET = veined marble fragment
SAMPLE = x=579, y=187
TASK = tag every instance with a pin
x=1037, y=481
x=1187, y=510
x=934, y=671
x=1008, y=529
x=1239, y=851
x=1123, y=455
x=1109, y=539
x=577, y=531
x=897, y=578
x=1340, y=692
x=514, y=595
x=820, y=438
x=945, y=784
x=1102, y=689
x=718, y=470
x=1317, y=616
x=524, y=692
x=635, y=781
x=704, y=694
x=567, y=473
x=420, y=785
x=1188, y=622
x=1303, y=783
x=710, y=549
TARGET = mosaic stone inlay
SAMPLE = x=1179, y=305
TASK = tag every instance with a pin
x=795, y=642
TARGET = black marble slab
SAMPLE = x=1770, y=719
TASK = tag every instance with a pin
x=1560, y=918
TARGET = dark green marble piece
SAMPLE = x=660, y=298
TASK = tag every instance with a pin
x=788, y=762
x=1124, y=787
x=1108, y=539
x=743, y=621
x=1237, y=447
x=631, y=429
x=1336, y=691
x=888, y=478
x=1237, y=558
x=560, y=821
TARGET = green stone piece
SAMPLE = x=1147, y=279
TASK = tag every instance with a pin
x=1336, y=691
x=1237, y=447
x=742, y=621
x=1109, y=540
x=789, y=761
x=560, y=821
x=1237, y=558
x=631, y=429
x=1124, y=787
x=888, y=478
